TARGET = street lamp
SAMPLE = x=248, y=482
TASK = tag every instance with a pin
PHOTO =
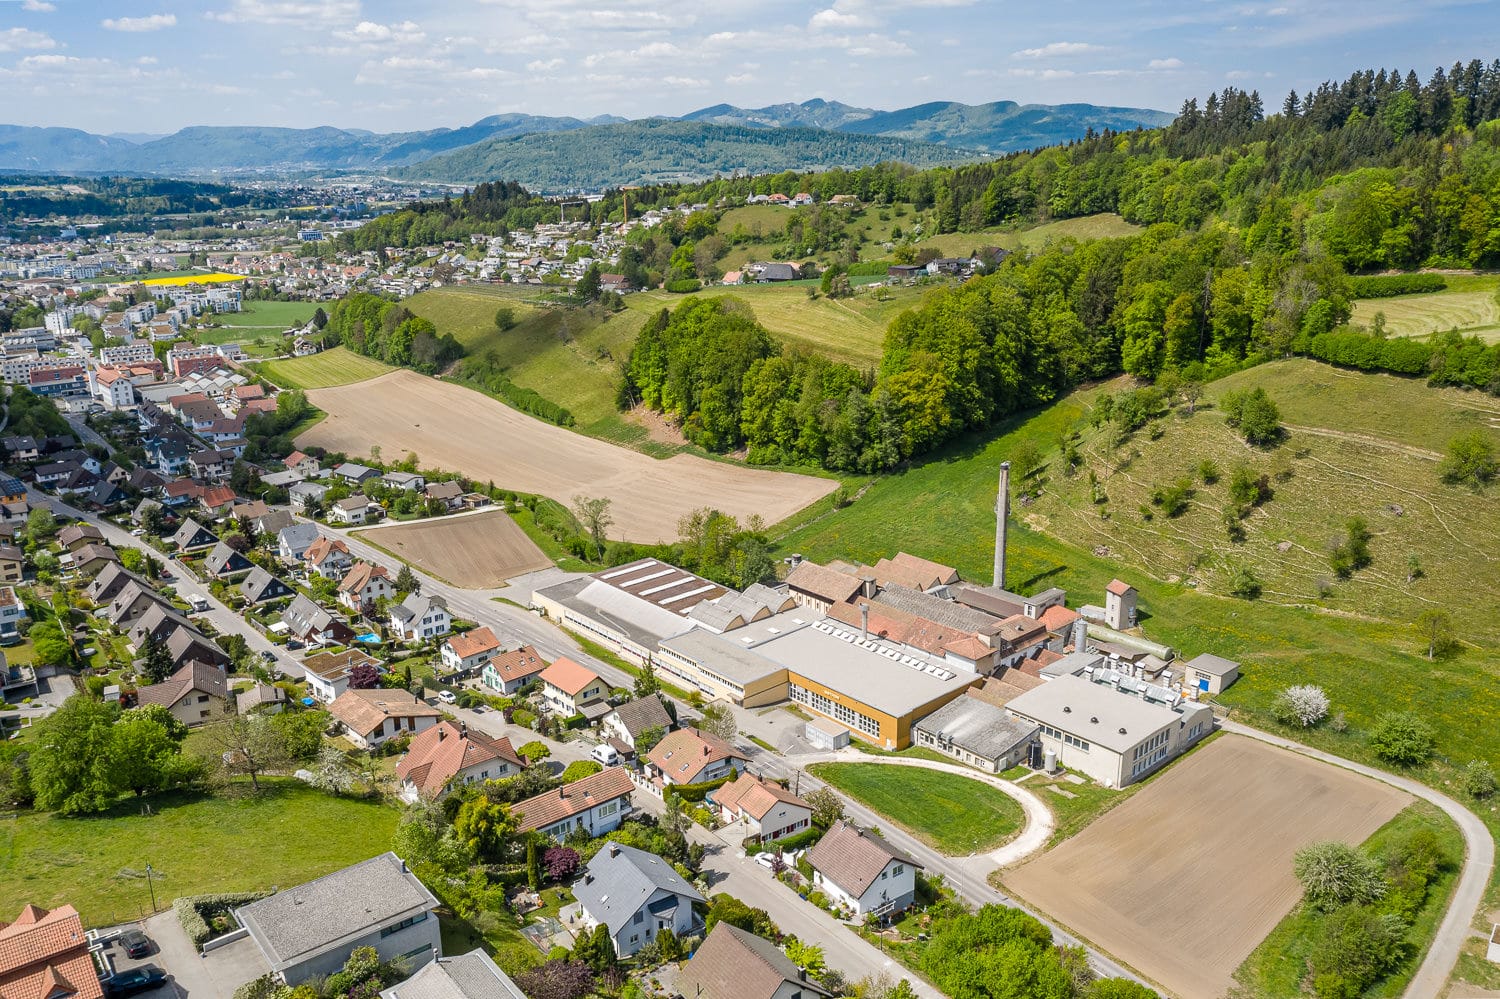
x=152, y=888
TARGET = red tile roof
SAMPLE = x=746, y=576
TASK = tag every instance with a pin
x=1118, y=588
x=684, y=754
x=568, y=676
x=518, y=664
x=44, y=955
x=440, y=753
x=1058, y=618
x=572, y=799
x=472, y=643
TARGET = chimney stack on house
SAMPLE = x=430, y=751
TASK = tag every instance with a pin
x=1002, y=513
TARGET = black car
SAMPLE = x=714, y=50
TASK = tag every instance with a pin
x=136, y=943
x=268, y=655
x=133, y=982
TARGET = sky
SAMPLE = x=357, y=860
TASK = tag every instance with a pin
x=153, y=66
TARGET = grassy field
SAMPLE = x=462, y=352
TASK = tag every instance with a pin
x=571, y=356
x=339, y=366
x=234, y=841
x=942, y=509
x=961, y=244
x=269, y=316
x=1276, y=969
x=848, y=329
x=1469, y=306
x=955, y=815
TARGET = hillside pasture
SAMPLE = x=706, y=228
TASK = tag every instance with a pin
x=338, y=366
x=457, y=428
x=1106, y=225
x=1470, y=311
x=1183, y=880
x=476, y=551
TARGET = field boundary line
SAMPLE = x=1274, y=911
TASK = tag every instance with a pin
x=1437, y=965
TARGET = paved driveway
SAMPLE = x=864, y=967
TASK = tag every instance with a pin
x=193, y=975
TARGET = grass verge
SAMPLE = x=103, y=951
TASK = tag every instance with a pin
x=952, y=814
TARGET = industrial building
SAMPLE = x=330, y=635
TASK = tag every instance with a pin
x=1113, y=727
x=977, y=733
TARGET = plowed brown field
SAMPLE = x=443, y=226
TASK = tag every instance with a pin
x=478, y=551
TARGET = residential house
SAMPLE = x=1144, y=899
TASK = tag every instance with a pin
x=193, y=535
x=596, y=804
x=44, y=954
x=629, y=721
x=12, y=564
x=271, y=523
x=185, y=645
x=370, y=718
x=218, y=501
x=450, y=754
x=328, y=672
x=309, y=931
x=736, y=964
x=364, y=584
x=410, y=481
x=469, y=976
x=131, y=602
x=75, y=536
x=224, y=562
x=104, y=495
x=180, y=493
x=329, y=558
x=91, y=558
x=636, y=895
x=260, y=586
x=110, y=581
x=293, y=542
x=859, y=871
x=304, y=493
x=312, y=625
x=155, y=618
x=210, y=465
x=768, y=810
x=508, y=672
x=304, y=464
x=352, y=511
x=355, y=474
x=691, y=756
x=449, y=493
x=467, y=653
x=12, y=613
x=568, y=686
x=420, y=617
x=263, y=698
x=196, y=694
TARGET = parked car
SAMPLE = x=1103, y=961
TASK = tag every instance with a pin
x=200, y=604
x=605, y=755
x=133, y=982
x=135, y=943
x=447, y=696
x=268, y=655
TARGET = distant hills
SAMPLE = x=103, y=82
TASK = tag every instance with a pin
x=562, y=153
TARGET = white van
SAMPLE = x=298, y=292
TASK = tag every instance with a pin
x=200, y=604
x=605, y=754
x=447, y=697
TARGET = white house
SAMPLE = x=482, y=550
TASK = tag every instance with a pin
x=328, y=557
x=768, y=810
x=596, y=804
x=12, y=613
x=350, y=511
x=567, y=686
x=364, y=584
x=689, y=756
x=636, y=895
x=861, y=872
x=470, y=651
x=508, y=672
x=327, y=673
x=418, y=617
x=370, y=718
x=629, y=721
x=292, y=543
x=447, y=755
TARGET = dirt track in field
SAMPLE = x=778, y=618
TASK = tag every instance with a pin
x=450, y=426
x=478, y=552
x=1186, y=878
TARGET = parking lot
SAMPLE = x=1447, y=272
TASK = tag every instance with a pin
x=189, y=973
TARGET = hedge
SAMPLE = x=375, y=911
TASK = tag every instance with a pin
x=684, y=287
x=196, y=912
x=1390, y=285
x=805, y=838
x=697, y=792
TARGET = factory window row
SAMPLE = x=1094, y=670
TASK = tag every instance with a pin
x=1061, y=736
x=1147, y=762
x=833, y=709
x=1151, y=745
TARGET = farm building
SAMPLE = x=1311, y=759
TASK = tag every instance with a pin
x=1115, y=728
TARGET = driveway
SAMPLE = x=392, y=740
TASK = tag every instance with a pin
x=215, y=976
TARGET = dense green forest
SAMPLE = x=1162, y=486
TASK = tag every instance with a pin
x=379, y=328
x=25, y=196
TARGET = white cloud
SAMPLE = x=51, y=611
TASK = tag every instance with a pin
x=19, y=39
x=151, y=22
x=543, y=66
x=739, y=79
x=38, y=6
x=834, y=18
x=373, y=33
x=303, y=13
x=683, y=81
x=146, y=61
x=1172, y=63
x=1052, y=49
x=1040, y=74
x=651, y=51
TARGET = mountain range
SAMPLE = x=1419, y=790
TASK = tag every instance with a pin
x=720, y=138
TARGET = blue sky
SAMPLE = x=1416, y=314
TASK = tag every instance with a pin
x=131, y=66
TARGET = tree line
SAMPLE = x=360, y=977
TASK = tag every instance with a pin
x=377, y=327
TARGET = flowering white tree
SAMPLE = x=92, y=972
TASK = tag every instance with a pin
x=1303, y=705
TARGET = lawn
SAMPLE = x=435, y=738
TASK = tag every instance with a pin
x=952, y=814
x=261, y=317
x=1276, y=969
x=233, y=841
x=339, y=366
x=1468, y=305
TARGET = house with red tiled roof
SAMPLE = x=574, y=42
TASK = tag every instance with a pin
x=365, y=584
x=45, y=955
x=449, y=754
x=690, y=756
x=469, y=651
x=568, y=686
x=372, y=717
x=767, y=809
x=597, y=804
x=508, y=672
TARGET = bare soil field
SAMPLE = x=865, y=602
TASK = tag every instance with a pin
x=450, y=426
x=478, y=552
x=1186, y=878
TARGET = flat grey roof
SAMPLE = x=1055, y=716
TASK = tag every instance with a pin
x=1071, y=703
x=644, y=622
x=296, y=924
x=1207, y=662
x=892, y=685
x=978, y=726
x=1072, y=664
x=722, y=654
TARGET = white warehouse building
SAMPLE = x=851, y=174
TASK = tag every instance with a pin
x=1112, y=727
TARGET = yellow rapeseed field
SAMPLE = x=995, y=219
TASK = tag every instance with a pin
x=218, y=277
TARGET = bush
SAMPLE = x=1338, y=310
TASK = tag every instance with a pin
x=1470, y=460
x=1174, y=499
x=1208, y=471
x=684, y=287
x=196, y=913
x=1390, y=285
x=697, y=792
x=1402, y=738
x=1245, y=585
x=1479, y=779
x=787, y=843
x=1253, y=414
x=1303, y=705
x=579, y=769
x=1334, y=874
